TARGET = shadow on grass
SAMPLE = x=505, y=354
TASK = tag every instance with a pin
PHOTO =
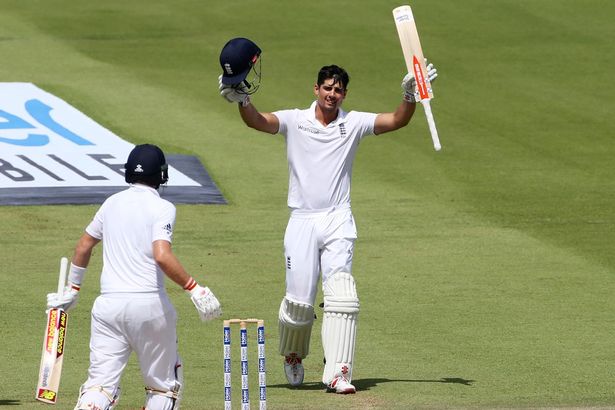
x=366, y=384
x=10, y=402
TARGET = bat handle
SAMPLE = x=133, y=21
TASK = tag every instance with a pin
x=62, y=276
x=432, y=124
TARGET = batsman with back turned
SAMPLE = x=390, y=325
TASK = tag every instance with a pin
x=133, y=312
x=321, y=143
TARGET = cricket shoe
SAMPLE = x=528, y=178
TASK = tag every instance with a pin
x=340, y=385
x=293, y=369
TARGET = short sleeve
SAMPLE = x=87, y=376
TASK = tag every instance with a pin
x=162, y=228
x=365, y=122
x=284, y=116
x=95, y=228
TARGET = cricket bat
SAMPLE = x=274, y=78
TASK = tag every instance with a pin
x=53, y=347
x=415, y=63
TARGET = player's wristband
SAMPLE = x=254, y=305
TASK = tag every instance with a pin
x=76, y=274
x=190, y=285
x=74, y=286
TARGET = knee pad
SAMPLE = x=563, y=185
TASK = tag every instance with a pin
x=295, y=327
x=156, y=399
x=97, y=397
x=339, y=325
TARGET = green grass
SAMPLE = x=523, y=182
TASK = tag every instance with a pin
x=486, y=272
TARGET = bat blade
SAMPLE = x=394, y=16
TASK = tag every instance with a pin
x=415, y=63
x=52, y=356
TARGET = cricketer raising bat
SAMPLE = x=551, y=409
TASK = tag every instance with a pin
x=415, y=63
x=53, y=347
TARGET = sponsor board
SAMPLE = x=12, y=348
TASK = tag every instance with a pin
x=52, y=153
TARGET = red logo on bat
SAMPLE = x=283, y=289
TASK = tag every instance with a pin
x=420, y=78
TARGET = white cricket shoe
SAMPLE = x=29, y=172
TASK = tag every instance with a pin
x=340, y=385
x=293, y=369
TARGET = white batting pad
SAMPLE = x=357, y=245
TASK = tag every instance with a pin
x=339, y=326
x=97, y=398
x=295, y=326
x=167, y=400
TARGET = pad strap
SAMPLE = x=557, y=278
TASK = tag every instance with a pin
x=173, y=394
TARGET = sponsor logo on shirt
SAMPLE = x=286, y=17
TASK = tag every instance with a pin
x=168, y=228
x=311, y=130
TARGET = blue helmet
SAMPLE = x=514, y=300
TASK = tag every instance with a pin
x=237, y=58
x=146, y=163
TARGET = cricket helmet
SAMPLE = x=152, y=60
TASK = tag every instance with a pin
x=146, y=163
x=238, y=57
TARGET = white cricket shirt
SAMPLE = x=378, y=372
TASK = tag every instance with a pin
x=320, y=158
x=128, y=222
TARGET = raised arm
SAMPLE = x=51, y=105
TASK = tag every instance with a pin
x=391, y=121
x=260, y=121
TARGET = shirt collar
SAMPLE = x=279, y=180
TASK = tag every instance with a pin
x=142, y=187
x=341, y=115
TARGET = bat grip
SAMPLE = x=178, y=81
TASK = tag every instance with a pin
x=62, y=276
x=432, y=123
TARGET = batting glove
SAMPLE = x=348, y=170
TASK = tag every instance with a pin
x=432, y=72
x=234, y=93
x=408, y=84
x=66, y=300
x=205, y=302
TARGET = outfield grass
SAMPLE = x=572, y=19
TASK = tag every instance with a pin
x=486, y=272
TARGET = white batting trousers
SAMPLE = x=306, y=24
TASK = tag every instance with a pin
x=141, y=322
x=314, y=243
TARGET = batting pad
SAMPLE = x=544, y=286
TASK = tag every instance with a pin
x=97, y=397
x=339, y=326
x=167, y=400
x=295, y=327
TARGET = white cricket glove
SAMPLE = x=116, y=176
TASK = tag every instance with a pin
x=234, y=93
x=408, y=84
x=206, y=303
x=67, y=300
